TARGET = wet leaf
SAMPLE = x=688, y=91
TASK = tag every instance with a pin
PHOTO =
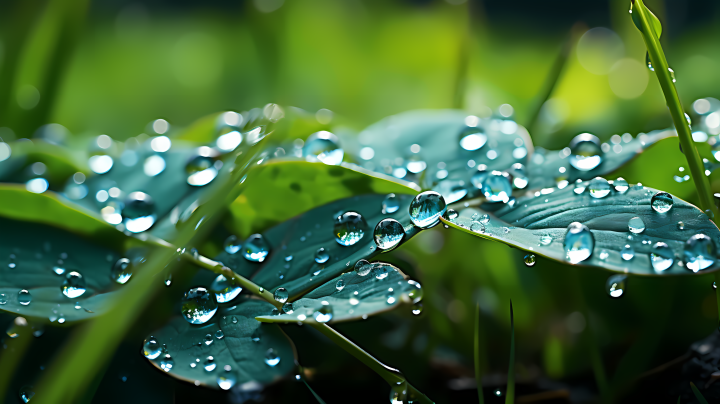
x=294, y=243
x=538, y=223
x=654, y=21
x=236, y=340
x=355, y=297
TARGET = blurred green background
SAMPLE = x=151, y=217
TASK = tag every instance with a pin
x=112, y=67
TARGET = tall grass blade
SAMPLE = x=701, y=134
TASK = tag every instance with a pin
x=510, y=393
x=463, y=59
x=697, y=393
x=478, y=366
x=317, y=397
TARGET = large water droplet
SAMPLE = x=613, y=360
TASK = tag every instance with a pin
x=599, y=187
x=480, y=176
x=580, y=186
x=661, y=257
x=225, y=289
x=198, y=306
x=100, y=164
x=627, y=253
x=472, y=138
x=388, y=234
x=24, y=297
x=232, y=244
x=138, y=212
x=321, y=256
x=621, y=185
x=426, y=209
x=699, y=252
x=324, y=313
x=121, y=271
x=579, y=243
x=529, y=260
x=585, y=152
x=151, y=348
x=256, y=248
x=201, y=169
x=226, y=381
x=325, y=147
x=349, y=228
x=615, y=285
x=661, y=202
x=496, y=187
x=390, y=204
x=416, y=291
x=74, y=285
x=281, y=295
x=362, y=267
x=636, y=225
x=27, y=393
x=381, y=271
x=271, y=358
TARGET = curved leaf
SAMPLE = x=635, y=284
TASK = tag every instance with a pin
x=291, y=262
x=60, y=162
x=231, y=343
x=550, y=212
x=357, y=298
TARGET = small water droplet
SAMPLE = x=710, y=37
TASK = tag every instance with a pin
x=615, y=285
x=324, y=313
x=579, y=243
x=281, y=295
x=621, y=185
x=529, y=260
x=661, y=257
x=225, y=289
x=585, y=152
x=627, y=253
x=232, y=244
x=599, y=187
x=3, y=298
x=388, y=234
x=672, y=74
x=545, y=239
x=699, y=252
x=288, y=308
x=580, y=186
x=417, y=309
x=321, y=256
x=198, y=306
x=256, y=248
x=497, y=187
x=208, y=339
x=426, y=209
x=219, y=334
x=390, y=204
x=340, y=285
x=234, y=320
x=226, y=381
x=24, y=297
x=209, y=364
x=271, y=358
x=138, y=212
x=472, y=138
x=201, y=168
x=661, y=202
x=121, y=271
x=390, y=296
x=58, y=270
x=648, y=62
x=27, y=393
x=151, y=348
x=74, y=285
x=380, y=271
x=681, y=226
x=325, y=147
x=362, y=267
x=450, y=215
x=349, y=228
x=636, y=225
x=167, y=363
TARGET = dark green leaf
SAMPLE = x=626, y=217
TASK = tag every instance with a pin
x=357, y=298
x=549, y=214
x=697, y=394
x=232, y=332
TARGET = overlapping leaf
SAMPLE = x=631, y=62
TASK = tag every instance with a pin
x=538, y=223
x=354, y=297
x=231, y=349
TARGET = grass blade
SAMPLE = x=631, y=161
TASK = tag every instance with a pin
x=510, y=393
x=463, y=59
x=697, y=393
x=478, y=370
x=317, y=397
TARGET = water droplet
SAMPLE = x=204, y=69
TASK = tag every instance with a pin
x=546, y=239
x=604, y=254
x=225, y=289
x=226, y=381
x=58, y=270
x=426, y=209
x=167, y=363
x=100, y=164
x=340, y=285
x=519, y=177
x=390, y=204
x=699, y=252
x=321, y=256
x=451, y=215
x=362, y=267
x=349, y=228
x=709, y=213
x=661, y=202
x=672, y=74
x=138, y=212
x=681, y=226
x=480, y=176
x=380, y=271
x=648, y=62
x=325, y=147
x=416, y=291
x=477, y=227
x=388, y=234
x=208, y=339
x=234, y=320
x=529, y=260
x=621, y=185
x=219, y=334
x=615, y=285
x=585, y=152
x=27, y=393
x=390, y=296
x=579, y=243
x=256, y=248
x=198, y=306
x=599, y=187
x=288, y=308
x=472, y=138
x=74, y=285
x=232, y=244
x=209, y=364
x=281, y=295
x=151, y=348
x=271, y=358
x=636, y=225
x=201, y=168
x=121, y=271
x=661, y=257
x=324, y=313
x=627, y=253
x=496, y=187
x=417, y=309
x=24, y=297
x=579, y=187
x=3, y=298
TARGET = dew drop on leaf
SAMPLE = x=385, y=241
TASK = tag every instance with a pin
x=198, y=306
x=615, y=285
x=579, y=243
x=661, y=257
x=661, y=202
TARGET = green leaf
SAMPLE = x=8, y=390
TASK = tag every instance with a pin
x=654, y=21
x=548, y=215
x=355, y=297
x=264, y=202
x=60, y=162
x=697, y=394
x=293, y=244
x=548, y=169
x=477, y=353
x=232, y=332
x=510, y=392
x=438, y=134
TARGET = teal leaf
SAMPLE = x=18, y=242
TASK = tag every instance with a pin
x=256, y=354
x=354, y=297
x=538, y=223
x=293, y=244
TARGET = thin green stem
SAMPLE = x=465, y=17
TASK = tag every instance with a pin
x=392, y=376
x=476, y=346
x=510, y=393
x=657, y=57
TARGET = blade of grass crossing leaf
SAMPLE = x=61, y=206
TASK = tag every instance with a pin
x=650, y=28
x=478, y=372
x=320, y=400
x=510, y=393
x=697, y=393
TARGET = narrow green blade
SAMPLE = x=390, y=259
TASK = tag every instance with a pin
x=320, y=400
x=697, y=393
x=478, y=373
x=510, y=393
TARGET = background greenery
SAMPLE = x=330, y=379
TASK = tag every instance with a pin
x=113, y=67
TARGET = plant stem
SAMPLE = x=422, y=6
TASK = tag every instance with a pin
x=392, y=376
x=657, y=57
x=476, y=346
x=510, y=393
